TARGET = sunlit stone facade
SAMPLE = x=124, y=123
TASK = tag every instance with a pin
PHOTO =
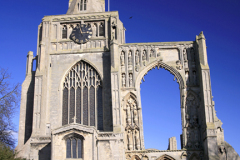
x=83, y=101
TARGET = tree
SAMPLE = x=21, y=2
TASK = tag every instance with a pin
x=9, y=98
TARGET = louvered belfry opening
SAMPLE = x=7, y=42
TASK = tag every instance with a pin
x=82, y=96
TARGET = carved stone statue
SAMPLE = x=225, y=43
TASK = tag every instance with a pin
x=94, y=30
x=137, y=144
x=128, y=115
x=137, y=57
x=130, y=58
x=129, y=138
x=185, y=54
x=122, y=58
x=123, y=80
x=144, y=55
x=151, y=53
x=130, y=80
x=135, y=116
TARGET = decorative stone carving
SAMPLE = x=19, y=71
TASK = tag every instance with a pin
x=151, y=53
x=137, y=58
x=130, y=58
x=185, y=54
x=123, y=80
x=179, y=65
x=130, y=80
x=144, y=57
x=122, y=59
x=131, y=125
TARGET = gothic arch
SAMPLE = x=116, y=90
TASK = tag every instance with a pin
x=74, y=134
x=75, y=62
x=165, y=157
x=135, y=157
x=160, y=64
x=82, y=96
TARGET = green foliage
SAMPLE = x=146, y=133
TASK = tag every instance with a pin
x=7, y=153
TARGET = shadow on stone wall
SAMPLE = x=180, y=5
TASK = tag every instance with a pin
x=45, y=153
x=29, y=109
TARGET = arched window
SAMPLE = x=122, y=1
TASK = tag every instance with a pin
x=101, y=29
x=74, y=146
x=82, y=96
x=85, y=5
x=81, y=5
x=64, y=32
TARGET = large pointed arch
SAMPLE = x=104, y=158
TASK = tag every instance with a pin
x=82, y=96
x=160, y=64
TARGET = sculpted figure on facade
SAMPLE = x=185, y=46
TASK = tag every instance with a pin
x=123, y=80
x=94, y=30
x=137, y=144
x=122, y=58
x=144, y=57
x=137, y=57
x=130, y=58
x=130, y=80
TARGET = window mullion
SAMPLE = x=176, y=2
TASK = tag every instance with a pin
x=96, y=111
x=69, y=88
x=81, y=66
x=88, y=96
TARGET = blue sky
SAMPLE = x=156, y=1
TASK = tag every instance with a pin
x=153, y=21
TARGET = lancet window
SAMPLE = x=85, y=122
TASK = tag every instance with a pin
x=74, y=147
x=85, y=5
x=82, y=96
x=64, y=32
x=101, y=29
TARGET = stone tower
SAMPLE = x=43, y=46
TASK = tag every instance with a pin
x=83, y=101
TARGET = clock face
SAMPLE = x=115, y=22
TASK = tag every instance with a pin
x=81, y=33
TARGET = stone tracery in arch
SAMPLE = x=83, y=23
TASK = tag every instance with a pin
x=82, y=96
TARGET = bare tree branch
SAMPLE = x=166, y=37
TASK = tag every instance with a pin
x=9, y=98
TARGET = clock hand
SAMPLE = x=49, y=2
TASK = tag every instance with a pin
x=81, y=30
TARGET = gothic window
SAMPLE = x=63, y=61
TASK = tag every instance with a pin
x=81, y=5
x=74, y=147
x=64, y=32
x=82, y=96
x=78, y=6
x=101, y=29
x=85, y=5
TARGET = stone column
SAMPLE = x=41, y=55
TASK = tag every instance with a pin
x=207, y=107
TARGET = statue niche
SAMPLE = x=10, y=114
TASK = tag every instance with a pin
x=192, y=122
x=131, y=119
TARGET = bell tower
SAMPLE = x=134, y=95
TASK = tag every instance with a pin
x=85, y=6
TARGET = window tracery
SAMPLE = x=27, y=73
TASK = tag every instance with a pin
x=74, y=147
x=82, y=96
